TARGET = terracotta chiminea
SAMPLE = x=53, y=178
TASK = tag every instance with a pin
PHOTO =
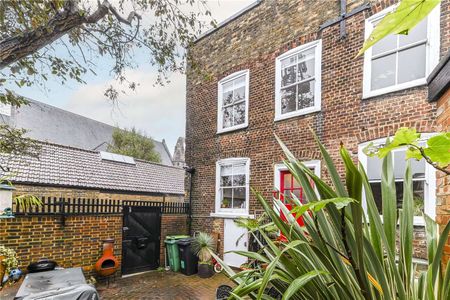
x=107, y=264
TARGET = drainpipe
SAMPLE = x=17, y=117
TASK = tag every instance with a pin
x=342, y=30
x=191, y=172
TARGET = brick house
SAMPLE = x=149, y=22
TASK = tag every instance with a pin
x=286, y=66
x=99, y=192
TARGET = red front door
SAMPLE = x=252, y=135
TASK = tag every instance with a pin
x=289, y=187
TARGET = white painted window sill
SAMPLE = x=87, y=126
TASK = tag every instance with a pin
x=396, y=88
x=417, y=221
x=234, y=128
x=231, y=215
x=303, y=112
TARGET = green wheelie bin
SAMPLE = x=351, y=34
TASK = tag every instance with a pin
x=173, y=255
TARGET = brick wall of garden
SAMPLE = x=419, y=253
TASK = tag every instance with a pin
x=79, y=242
x=171, y=225
x=253, y=41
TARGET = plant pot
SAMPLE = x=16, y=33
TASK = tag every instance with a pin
x=205, y=270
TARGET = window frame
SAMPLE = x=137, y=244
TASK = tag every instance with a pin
x=220, y=84
x=278, y=168
x=317, y=44
x=431, y=47
x=232, y=212
x=429, y=205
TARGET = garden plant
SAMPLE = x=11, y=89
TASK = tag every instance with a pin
x=8, y=261
x=203, y=247
x=342, y=251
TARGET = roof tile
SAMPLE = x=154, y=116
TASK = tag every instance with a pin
x=68, y=166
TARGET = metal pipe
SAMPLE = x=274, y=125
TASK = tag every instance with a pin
x=342, y=30
x=355, y=11
x=191, y=172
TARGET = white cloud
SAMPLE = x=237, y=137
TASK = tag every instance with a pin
x=158, y=110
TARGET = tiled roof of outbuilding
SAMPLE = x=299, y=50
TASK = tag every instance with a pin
x=59, y=165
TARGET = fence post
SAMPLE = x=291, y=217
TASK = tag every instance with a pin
x=62, y=211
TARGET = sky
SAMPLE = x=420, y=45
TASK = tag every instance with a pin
x=159, y=111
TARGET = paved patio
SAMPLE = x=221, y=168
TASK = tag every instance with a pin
x=163, y=285
x=152, y=285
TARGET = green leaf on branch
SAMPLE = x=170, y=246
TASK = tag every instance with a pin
x=436, y=153
x=438, y=149
x=400, y=21
x=414, y=153
x=404, y=136
x=339, y=202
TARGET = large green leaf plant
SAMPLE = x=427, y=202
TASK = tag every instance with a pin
x=342, y=252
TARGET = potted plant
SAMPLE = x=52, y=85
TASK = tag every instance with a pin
x=225, y=203
x=202, y=246
x=8, y=261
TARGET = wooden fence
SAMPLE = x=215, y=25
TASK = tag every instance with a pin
x=83, y=206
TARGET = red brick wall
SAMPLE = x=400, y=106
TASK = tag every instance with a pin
x=443, y=111
x=443, y=182
x=253, y=41
x=171, y=225
x=77, y=244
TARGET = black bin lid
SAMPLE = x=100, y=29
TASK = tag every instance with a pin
x=185, y=242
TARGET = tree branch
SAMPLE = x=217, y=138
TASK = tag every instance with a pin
x=19, y=46
x=428, y=160
x=128, y=20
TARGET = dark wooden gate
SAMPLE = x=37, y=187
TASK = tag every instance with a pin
x=141, y=239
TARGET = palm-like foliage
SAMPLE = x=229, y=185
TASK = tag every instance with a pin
x=202, y=246
x=342, y=253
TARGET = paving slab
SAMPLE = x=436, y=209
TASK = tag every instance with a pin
x=163, y=286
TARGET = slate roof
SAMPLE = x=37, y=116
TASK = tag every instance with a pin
x=47, y=123
x=59, y=165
